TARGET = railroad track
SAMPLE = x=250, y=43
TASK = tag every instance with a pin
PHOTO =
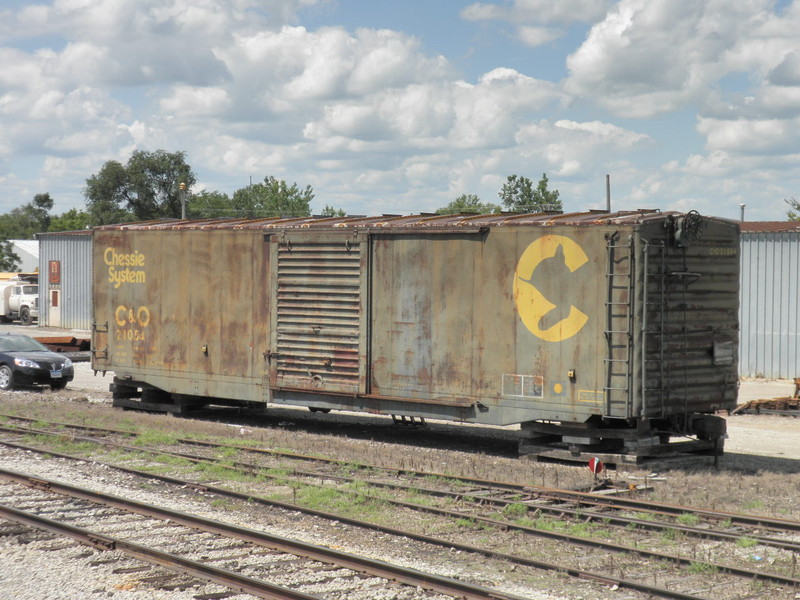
x=502, y=495
x=695, y=562
x=194, y=545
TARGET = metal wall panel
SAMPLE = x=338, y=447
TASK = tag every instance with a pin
x=74, y=252
x=183, y=310
x=769, y=312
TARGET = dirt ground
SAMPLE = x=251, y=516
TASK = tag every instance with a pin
x=764, y=435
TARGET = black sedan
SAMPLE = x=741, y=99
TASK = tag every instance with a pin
x=25, y=362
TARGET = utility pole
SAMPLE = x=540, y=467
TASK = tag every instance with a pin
x=182, y=195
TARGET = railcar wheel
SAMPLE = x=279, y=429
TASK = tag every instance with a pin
x=6, y=378
x=25, y=316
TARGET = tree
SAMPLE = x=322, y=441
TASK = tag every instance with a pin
x=147, y=187
x=794, y=204
x=329, y=211
x=469, y=203
x=9, y=260
x=209, y=205
x=24, y=222
x=518, y=194
x=273, y=198
x=72, y=220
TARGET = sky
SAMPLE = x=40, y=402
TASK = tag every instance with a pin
x=402, y=106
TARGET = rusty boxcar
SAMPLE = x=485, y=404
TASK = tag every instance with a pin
x=593, y=330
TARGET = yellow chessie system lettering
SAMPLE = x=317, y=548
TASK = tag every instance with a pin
x=122, y=267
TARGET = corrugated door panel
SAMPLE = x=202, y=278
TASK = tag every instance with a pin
x=317, y=318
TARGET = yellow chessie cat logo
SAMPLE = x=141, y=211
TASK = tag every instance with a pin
x=532, y=305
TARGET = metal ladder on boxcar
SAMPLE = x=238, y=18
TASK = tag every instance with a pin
x=655, y=323
x=620, y=301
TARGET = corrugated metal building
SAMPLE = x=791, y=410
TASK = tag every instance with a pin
x=65, y=281
x=769, y=309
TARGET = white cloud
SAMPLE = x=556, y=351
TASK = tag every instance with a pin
x=537, y=11
x=454, y=114
x=376, y=121
x=184, y=101
x=750, y=136
x=533, y=19
x=653, y=57
x=787, y=72
x=538, y=36
x=606, y=132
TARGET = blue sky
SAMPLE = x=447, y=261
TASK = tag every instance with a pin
x=400, y=107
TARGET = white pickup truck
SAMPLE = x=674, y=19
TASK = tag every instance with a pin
x=20, y=301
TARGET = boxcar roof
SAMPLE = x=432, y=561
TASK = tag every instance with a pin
x=770, y=226
x=410, y=222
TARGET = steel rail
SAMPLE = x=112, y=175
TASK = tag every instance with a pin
x=390, y=572
x=582, y=498
x=620, y=582
x=558, y=510
x=262, y=589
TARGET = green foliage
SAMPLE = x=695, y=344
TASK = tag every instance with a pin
x=24, y=222
x=794, y=205
x=470, y=204
x=465, y=522
x=697, y=568
x=519, y=195
x=208, y=205
x=147, y=187
x=273, y=198
x=746, y=542
x=689, y=519
x=515, y=510
x=72, y=220
x=9, y=260
x=670, y=534
x=154, y=437
x=329, y=211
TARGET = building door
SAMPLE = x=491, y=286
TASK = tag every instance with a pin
x=54, y=308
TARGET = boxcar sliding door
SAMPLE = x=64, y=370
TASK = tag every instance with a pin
x=318, y=312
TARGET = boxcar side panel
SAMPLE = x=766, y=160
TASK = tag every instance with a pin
x=182, y=309
x=511, y=322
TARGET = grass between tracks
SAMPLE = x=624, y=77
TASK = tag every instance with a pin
x=725, y=490
x=771, y=490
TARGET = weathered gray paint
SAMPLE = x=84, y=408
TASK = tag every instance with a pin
x=770, y=311
x=74, y=251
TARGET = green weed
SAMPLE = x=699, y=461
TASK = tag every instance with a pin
x=697, y=568
x=688, y=519
x=515, y=510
